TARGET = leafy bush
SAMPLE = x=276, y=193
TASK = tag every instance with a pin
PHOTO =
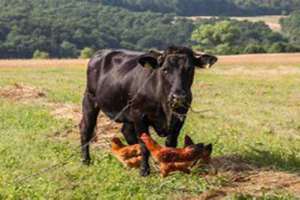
x=87, y=52
x=40, y=55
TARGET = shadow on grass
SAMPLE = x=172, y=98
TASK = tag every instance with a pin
x=256, y=159
x=260, y=158
x=256, y=174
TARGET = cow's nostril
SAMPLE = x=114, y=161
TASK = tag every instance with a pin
x=177, y=100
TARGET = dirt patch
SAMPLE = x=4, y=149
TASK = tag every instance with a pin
x=244, y=178
x=66, y=111
x=104, y=132
x=18, y=92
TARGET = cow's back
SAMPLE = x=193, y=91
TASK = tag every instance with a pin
x=112, y=76
x=108, y=61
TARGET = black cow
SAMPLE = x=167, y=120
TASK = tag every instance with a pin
x=157, y=86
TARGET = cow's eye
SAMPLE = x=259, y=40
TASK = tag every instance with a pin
x=165, y=70
x=173, y=60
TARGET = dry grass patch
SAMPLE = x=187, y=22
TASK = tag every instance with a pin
x=43, y=63
x=18, y=92
x=260, y=60
x=261, y=73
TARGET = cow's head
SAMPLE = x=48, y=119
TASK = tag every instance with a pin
x=176, y=67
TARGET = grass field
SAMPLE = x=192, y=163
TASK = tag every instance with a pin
x=271, y=20
x=252, y=119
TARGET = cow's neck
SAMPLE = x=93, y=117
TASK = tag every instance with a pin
x=161, y=97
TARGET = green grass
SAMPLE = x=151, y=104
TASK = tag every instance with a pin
x=258, y=119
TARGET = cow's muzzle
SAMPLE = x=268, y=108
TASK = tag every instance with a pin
x=177, y=101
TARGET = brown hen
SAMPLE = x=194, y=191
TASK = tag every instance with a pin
x=177, y=159
x=130, y=156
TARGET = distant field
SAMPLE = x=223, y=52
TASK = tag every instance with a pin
x=43, y=63
x=261, y=60
x=272, y=20
x=251, y=60
x=251, y=114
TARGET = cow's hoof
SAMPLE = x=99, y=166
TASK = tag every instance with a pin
x=86, y=162
x=145, y=172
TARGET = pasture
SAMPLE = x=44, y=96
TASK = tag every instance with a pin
x=250, y=111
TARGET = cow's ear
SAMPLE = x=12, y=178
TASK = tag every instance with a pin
x=148, y=61
x=204, y=60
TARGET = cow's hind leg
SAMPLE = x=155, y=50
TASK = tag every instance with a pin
x=129, y=133
x=87, y=125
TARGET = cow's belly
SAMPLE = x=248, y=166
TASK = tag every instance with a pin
x=115, y=110
x=112, y=99
x=159, y=123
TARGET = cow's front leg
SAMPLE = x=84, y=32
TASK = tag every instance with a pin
x=142, y=127
x=172, y=138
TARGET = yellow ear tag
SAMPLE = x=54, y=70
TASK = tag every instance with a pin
x=148, y=65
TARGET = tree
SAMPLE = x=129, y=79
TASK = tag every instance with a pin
x=68, y=50
x=86, y=52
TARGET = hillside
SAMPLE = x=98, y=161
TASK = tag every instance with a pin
x=64, y=28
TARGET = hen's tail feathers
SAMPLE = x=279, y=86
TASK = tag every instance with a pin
x=188, y=141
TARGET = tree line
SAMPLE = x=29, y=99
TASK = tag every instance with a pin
x=72, y=28
x=210, y=7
